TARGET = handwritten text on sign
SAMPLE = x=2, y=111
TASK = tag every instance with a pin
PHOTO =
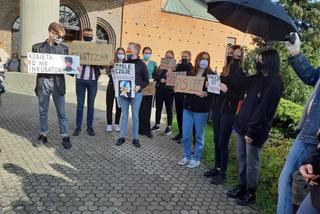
x=124, y=79
x=214, y=84
x=189, y=84
x=169, y=64
x=91, y=53
x=53, y=63
x=172, y=76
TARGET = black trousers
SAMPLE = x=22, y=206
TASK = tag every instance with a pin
x=167, y=98
x=222, y=126
x=110, y=98
x=179, y=103
x=145, y=115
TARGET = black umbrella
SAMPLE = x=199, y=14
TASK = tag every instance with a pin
x=261, y=18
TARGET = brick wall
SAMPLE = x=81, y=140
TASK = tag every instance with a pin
x=144, y=22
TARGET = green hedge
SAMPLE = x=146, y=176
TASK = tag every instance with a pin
x=287, y=117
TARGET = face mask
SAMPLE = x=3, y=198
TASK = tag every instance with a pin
x=87, y=38
x=184, y=60
x=229, y=59
x=146, y=57
x=204, y=64
x=121, y=56
x=56, y=39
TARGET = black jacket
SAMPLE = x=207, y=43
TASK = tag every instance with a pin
x=44, y=47
x=259, y=107
x=182, y=67
x=96, y=69
x=162, y=87
x=141, y=73
x=198, y=104
x=228, y=102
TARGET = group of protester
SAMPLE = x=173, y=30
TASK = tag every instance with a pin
x=251, y=121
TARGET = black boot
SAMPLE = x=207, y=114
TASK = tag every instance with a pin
x=248, y=198
x=237, y=192
x=211, y=173
x=221, y=178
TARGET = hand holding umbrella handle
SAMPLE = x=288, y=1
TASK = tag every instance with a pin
x=294, y=46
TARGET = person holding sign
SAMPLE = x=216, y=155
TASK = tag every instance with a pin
x=224, y=111
x=141, y=81
x=183, y=66
x=164, y=94
x=146, y=104
x=52, y=84
x=86, y=81
x=254, y=121
x=195, y=114
x=119, y=57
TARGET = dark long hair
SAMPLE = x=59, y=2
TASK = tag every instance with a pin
x=271, y=62
x=226, y=68
x=197, y=61
x=116, y=53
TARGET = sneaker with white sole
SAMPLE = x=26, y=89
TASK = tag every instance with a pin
x=117, y=128
x=167, y=131
x=184, y=162
x=109, y=128
x=193, y=164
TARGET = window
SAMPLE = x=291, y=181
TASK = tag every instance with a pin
x=231, y=40
x=102, y=34
x=68, y=18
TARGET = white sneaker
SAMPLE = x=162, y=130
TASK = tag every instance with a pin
x=193, y=164
x=109, y=128
x=117, y=127
x=184, y=162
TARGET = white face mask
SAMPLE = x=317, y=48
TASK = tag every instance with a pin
x=56, y=39
x=121, y=56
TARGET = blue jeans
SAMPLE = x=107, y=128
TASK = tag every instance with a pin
x=297, y=154
x=307, y=207
x=135, y=107
x=198, y=121
x=91, y=87
x=50, y=88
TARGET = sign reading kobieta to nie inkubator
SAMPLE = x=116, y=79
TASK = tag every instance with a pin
x=213, y=83
x=189, y=84
x=42, y=63
x=124, y=79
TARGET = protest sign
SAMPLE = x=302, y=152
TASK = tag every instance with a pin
x=169, y=64
x=150, y=89
x=53, y=63
x=91, y=53
x=189, y=84
x=213, y=83
x=124, y=79
x=172, y=76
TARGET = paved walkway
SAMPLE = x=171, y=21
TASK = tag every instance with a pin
x=94, y=176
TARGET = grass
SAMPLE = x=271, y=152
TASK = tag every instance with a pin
x=272, y=160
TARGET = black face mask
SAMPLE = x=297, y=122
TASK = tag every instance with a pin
x=87, y=38
x=184, y=61
x=229, y=59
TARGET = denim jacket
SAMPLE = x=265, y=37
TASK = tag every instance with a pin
x=310, y=122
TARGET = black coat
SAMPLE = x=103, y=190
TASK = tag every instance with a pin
x=182, y=67
x=44, y=47
x=259, y=107
x=228, y=102
x=141, y=73
x=198, y=104
x=162, y=87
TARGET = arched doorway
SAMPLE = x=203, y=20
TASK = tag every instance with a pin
x=15, y=28
x=71, y=23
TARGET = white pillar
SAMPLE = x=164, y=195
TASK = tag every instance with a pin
x=36, y=15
